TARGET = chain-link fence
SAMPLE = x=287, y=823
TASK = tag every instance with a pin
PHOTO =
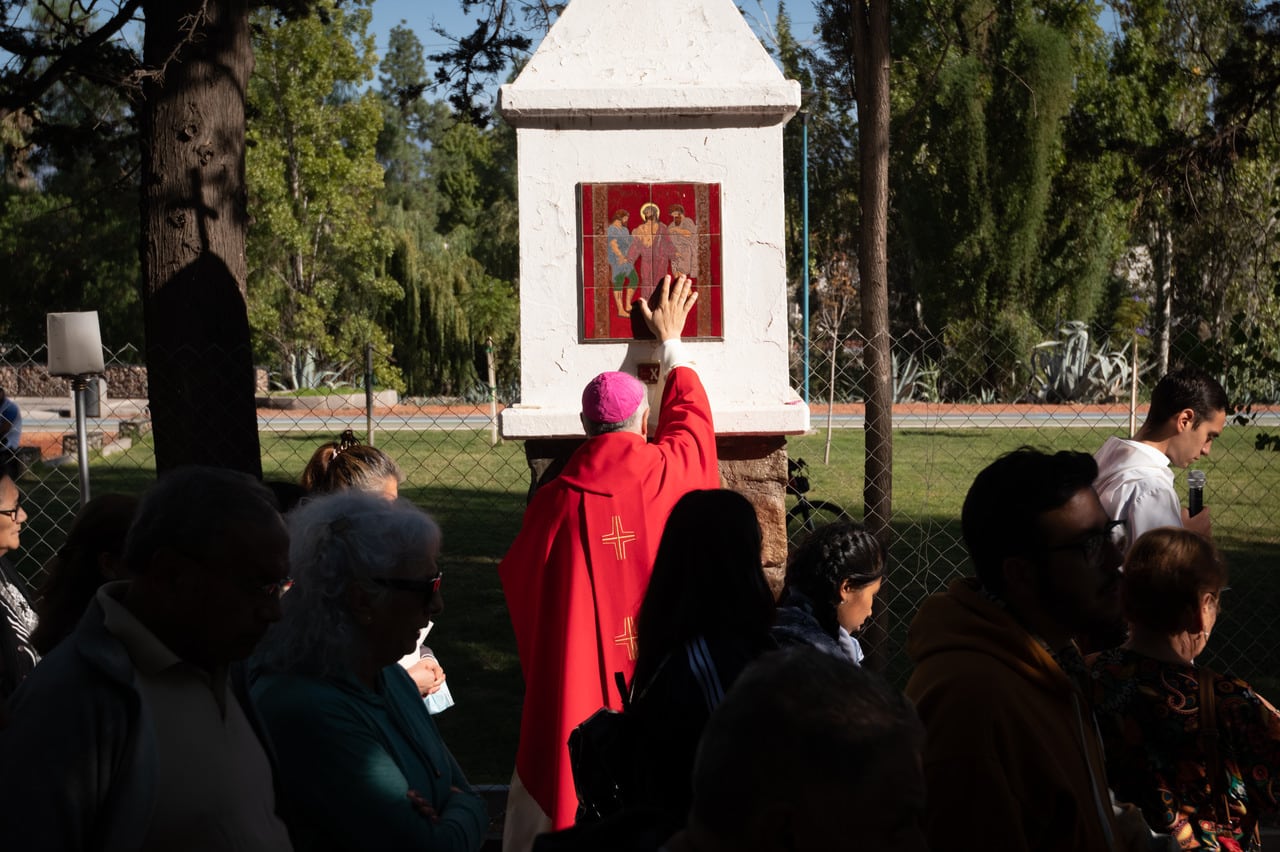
x=475, y=486
x=957, y=407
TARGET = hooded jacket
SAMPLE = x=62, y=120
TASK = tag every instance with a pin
x=796, y=623
x=1012, y=758
x=1135, y=484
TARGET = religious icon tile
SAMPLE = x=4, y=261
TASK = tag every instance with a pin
x=631, y=235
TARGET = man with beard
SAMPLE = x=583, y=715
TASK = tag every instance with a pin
x=651, y=250
x=1012, y=758
x=683, y=232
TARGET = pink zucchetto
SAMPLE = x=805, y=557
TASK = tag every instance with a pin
x=612, y=397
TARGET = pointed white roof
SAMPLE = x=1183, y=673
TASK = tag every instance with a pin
x=646, y=57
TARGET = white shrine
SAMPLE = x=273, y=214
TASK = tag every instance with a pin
x=661, y=92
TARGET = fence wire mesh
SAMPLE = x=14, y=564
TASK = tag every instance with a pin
x=958, y=405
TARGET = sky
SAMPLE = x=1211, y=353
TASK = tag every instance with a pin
x=419, y=17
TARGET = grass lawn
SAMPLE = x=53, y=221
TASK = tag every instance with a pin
x=477, y=493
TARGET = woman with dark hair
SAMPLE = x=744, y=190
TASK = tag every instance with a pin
x=347, y=463
x=705, y=616
x=1197, y=751
x=89, y=558
x=832, y=581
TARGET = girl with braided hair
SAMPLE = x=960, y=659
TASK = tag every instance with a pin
x=832, y=580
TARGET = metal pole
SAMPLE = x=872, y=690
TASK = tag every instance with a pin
x=804, y=204
x=493, y=392
x=1133, y=391
x=79, y=384
x=368, y=391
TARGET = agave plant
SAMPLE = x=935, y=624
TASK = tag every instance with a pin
x=912, y=379
x=1059, y=367
x=1066, y=370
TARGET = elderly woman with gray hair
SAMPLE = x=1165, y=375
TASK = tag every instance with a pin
x=362, y=764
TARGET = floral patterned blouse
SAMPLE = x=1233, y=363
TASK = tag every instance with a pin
x=1148, y=712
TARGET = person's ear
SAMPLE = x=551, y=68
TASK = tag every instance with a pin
x=1186, y=419
x=1017, y=572
x=846, y=589
x=644, y=421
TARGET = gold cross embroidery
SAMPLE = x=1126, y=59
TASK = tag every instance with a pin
x=618, y=538
x=627, y=637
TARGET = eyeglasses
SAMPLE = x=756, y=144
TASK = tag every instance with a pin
x=425, y=587
x=278, y=588
x=12, y=513
x=1091, y=547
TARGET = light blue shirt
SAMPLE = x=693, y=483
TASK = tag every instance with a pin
x=9, y=411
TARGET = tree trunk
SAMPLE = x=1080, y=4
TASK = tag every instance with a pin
x=492, y=363
x=199, y=363
x=871, y=79
x=1162, y=267
x=871, y=82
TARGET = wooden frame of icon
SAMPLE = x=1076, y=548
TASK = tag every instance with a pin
x=633, y=234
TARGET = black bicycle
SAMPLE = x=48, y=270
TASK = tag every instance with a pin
x=807, y=515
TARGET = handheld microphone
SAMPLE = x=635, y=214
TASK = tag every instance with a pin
x=1195, y=491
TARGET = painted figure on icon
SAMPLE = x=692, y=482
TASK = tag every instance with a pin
x=651, y=249
x=623, y=271
x=683, y=232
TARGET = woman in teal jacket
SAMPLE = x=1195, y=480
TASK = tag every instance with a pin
x=362, y=765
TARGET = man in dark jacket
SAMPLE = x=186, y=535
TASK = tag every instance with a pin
x=1012, y=759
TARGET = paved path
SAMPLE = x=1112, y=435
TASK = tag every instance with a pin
x=55, y=415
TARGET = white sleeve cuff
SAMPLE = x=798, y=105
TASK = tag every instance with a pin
x=675, y=354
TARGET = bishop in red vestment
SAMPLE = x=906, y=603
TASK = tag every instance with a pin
x=578, y=569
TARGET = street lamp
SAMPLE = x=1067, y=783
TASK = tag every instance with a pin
x=75, y=352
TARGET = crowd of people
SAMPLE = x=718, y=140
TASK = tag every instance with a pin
x=227, y=665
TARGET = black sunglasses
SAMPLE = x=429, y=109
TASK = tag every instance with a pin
x=12, y=513
x=425, y=587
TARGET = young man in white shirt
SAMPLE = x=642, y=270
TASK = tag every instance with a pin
x=1135, y=478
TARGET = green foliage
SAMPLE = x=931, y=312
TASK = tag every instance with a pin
x=980, y=156
x=315, y=249
x=988, y=360
x=69, y=211
x=408, y=122
x=428, y=326
x=1250, y=370
x=68, y=253
x=832, y=153
x=450, y=208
